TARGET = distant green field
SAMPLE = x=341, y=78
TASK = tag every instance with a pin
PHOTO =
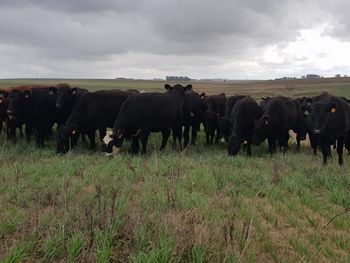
x=199, y=205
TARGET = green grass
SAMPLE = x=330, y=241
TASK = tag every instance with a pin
x=200, y=205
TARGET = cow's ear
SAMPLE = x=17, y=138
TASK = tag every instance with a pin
x=203, y=95
x=74, y=91
x=222, y=94
x=333, y=108
x=4, y=93
x=52, y=90
x=168, y=87
x=266, y=120
x=305, y=110
x=188, y=87
x=27, y=93
x=309, y=100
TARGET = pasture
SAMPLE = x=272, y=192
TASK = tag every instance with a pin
x=199, y=205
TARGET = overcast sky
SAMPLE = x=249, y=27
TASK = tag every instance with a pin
x=236, y=39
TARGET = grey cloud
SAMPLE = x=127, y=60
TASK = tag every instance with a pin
x=74, y=32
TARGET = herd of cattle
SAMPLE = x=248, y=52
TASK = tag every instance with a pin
x=179, y=110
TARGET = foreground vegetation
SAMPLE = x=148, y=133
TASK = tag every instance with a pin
x=199, y=205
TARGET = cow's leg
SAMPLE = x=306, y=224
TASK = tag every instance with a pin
x=194, y=132
x=272, y=145
x=248, y=147
x=83, y=139
x=165, y=137
x=313, y=143
x=144, y=139
x=91, y=136
x=298, y=142
x=20, y=131
x=135, y=146
x=28, y=131
x=325, y=151
x=39, y=136
x=340, y=146
x=186, y=134
x=207, y=138
x=212, y=135
x=284, y=142
x=217, y=138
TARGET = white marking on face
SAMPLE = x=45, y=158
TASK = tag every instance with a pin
x=107, y=139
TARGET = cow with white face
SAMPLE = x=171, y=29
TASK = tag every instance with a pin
x=149, y=112
x=108, y=145
x=112, y=143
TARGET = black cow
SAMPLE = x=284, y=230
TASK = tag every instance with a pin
x=92, y=111
x=149, y=112
x=193, y=115
x=241, y=120
x=330, y=120
x=35, y=108
x=215, y=107
x=279, y=115
x=10, y=124
x=314, y=142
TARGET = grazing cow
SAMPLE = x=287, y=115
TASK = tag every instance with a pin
x=330, y=120
x=215, y=107
x=92, y=111
x=279, y=115
x=193, y=116
x=149, y=112
x=35, y=108
x=242, y=117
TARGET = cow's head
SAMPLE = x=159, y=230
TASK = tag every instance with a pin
x=66, y=138
x=65, y=97
x=321, y=114
x=112, y=142
x=261, y=129
x=234, y=144
x=52, y=91
x=178, y=88
x=16, y=102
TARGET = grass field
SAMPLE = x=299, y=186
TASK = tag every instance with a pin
x=196, y=206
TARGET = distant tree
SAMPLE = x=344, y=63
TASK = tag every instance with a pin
x=338, y=76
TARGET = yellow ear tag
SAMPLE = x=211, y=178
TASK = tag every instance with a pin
x=245, y=142
x=333, y=110
x=266, y=122
x=0, y=101
x=306, y=112
x=73, y=132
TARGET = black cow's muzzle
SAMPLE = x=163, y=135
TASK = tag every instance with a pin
x=10, y=114
x=317, y=131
